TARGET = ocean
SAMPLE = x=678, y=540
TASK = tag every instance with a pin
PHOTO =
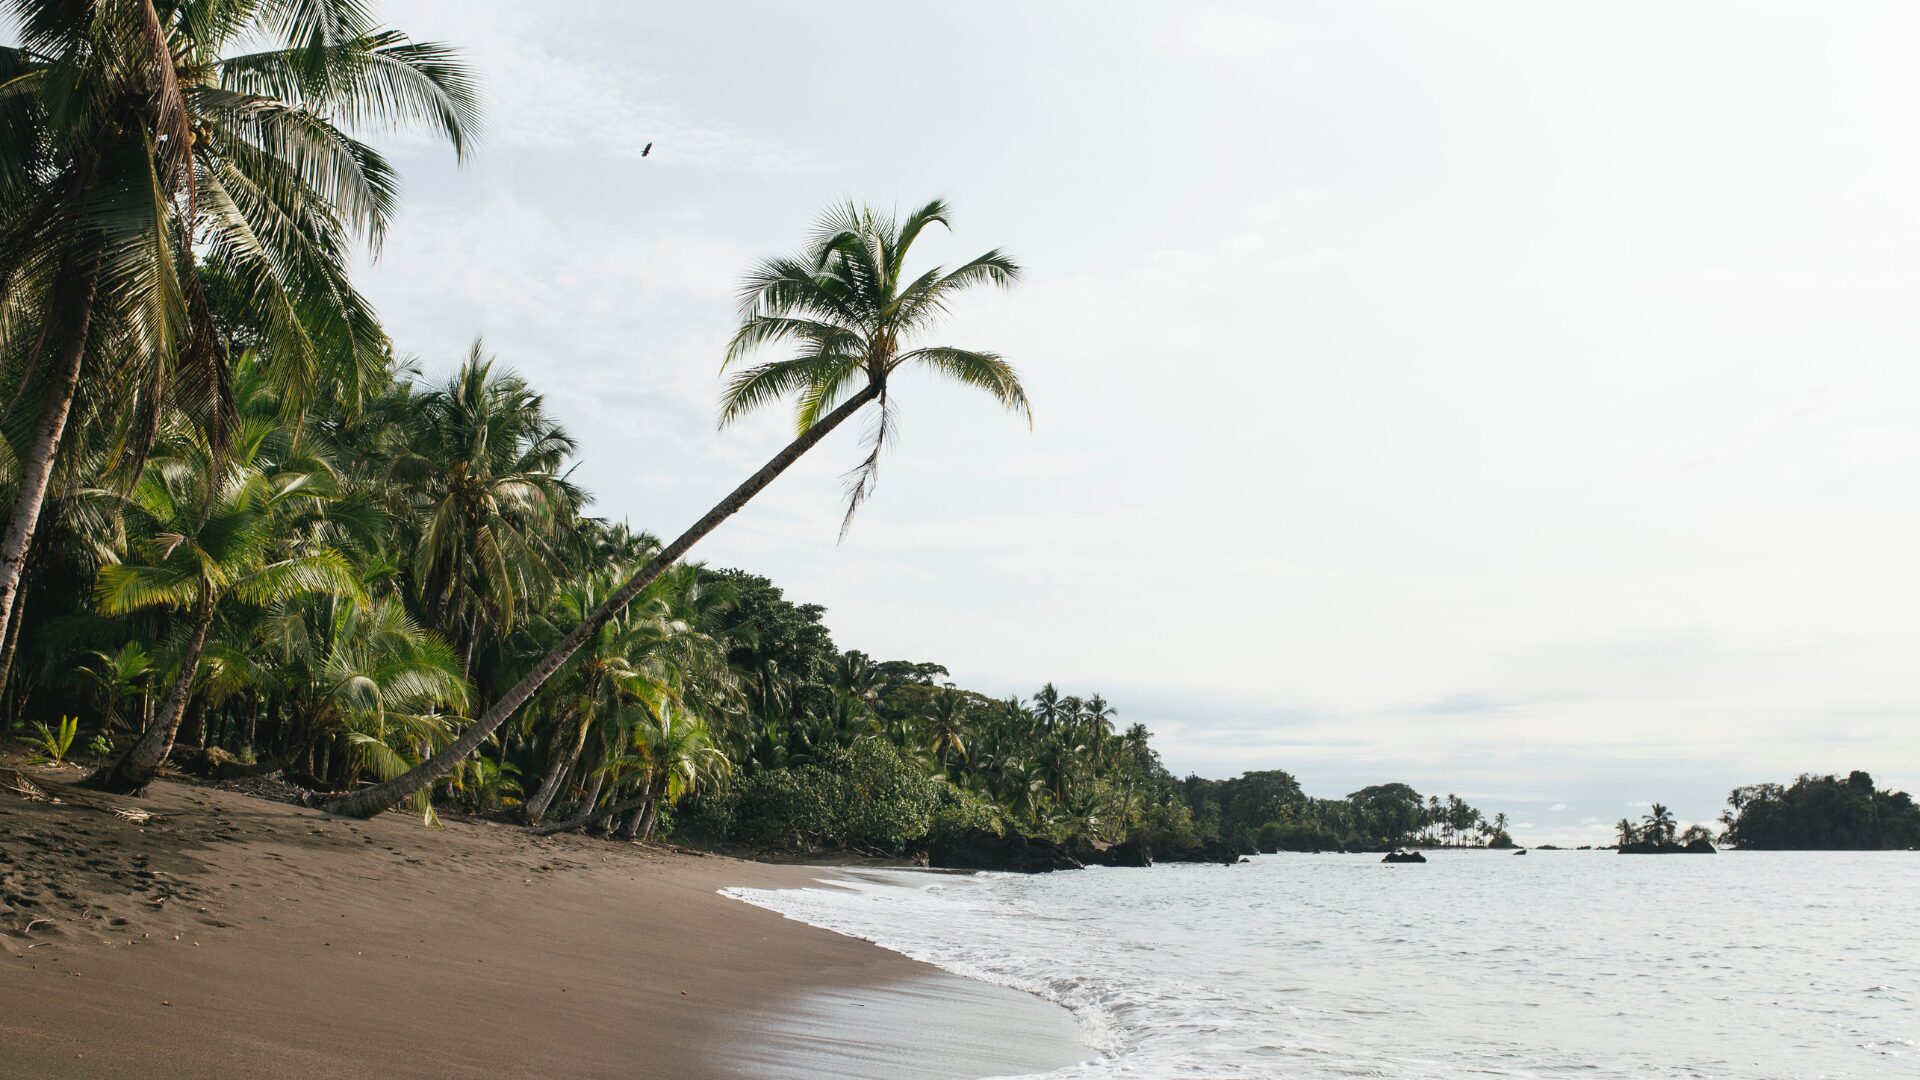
x=1751, y=965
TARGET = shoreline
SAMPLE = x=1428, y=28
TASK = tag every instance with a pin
x=232, y=935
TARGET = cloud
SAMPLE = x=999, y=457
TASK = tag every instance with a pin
x=1457, y=704
x=1228, y=32
x=558, y=81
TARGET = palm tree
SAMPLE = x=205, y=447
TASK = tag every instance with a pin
x=487, y=472
x=120, y=675
x=650, y=656
x=1626, y=832
x=133, y=148
x=849, y=308
x=1660, y=824
x=670, y=755
x=948, y=727
x=207, y=533
x=1049, y=709
x=364, y=670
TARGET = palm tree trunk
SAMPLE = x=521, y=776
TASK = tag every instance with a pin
x=594, y=779
x=36, y=472
x=562, y=764
x=136, y=768
x=6, y=655
x=590, y=815
x=646, y=818
x=630, y=828
x=369, y=801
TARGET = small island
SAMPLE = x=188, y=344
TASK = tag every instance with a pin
x=1658, y=835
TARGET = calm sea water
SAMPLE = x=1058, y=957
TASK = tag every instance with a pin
x=1476, y=964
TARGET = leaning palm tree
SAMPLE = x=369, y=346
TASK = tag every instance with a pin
x=849, y=309
x=136, y=147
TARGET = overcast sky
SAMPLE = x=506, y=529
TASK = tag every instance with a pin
x=1511, y=399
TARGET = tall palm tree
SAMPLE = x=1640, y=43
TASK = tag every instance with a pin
x=1049, y=709
x=487, y=470
x=134, y=145
x=850, y=309
x=1626, y=832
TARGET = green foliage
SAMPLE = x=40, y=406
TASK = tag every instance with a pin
x=959, y=811
x=100, y=746
x=864, y=797
x=1822, y=812
x=54, y=744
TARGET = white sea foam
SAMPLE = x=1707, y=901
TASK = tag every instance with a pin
x=1766, y=966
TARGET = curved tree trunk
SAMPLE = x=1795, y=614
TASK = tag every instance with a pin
x=644, y=822
x=36, y=472
x=630, y=828
x=136, y=768
x=564, y=757
x=598, y=781
x=369, y=801
x=591, y=816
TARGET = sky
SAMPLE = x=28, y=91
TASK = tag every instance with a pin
x=1510, y=399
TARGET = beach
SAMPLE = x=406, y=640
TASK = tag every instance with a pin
x=234, y=936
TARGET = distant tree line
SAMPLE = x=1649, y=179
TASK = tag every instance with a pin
x=1820, y=812
x=1268, y=811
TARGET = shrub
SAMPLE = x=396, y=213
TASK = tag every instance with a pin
x=865, y=797
x=961, y=811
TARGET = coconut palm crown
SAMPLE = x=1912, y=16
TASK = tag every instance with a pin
x=848, y=310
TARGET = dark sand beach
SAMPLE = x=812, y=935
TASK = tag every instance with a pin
x=236, y=936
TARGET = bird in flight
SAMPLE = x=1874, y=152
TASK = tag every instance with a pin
x=647, y=149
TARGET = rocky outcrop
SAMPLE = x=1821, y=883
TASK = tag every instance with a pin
x=978, y=849
x=1133, y=852
x=1210, y=851
x=1403, y=856
x=1664, y=847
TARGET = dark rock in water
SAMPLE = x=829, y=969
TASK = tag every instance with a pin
x=1211, y=851
x=1269, y=849
x=1403, y=856
x=1133, y=852
x=1701, y=847
x=978, y=849
x=1522, y=851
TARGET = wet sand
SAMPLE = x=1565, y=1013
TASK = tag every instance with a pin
x=234, y=936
